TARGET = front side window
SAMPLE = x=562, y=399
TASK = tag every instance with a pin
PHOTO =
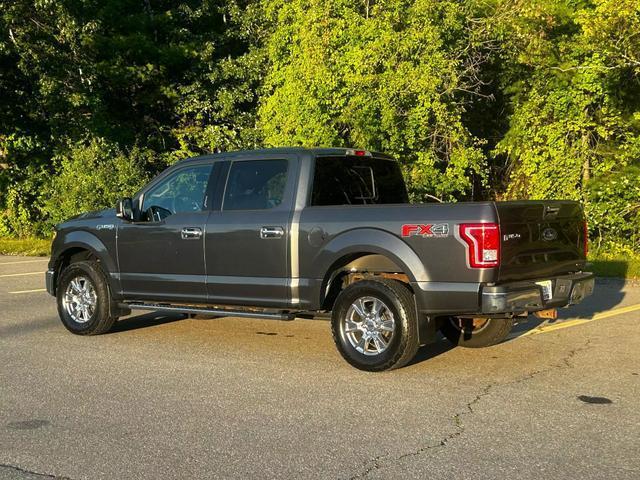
x=183, y=191
x=255, y=185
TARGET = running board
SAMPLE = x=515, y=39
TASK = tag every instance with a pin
x=209, y=311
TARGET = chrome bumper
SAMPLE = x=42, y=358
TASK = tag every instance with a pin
x=520, y=297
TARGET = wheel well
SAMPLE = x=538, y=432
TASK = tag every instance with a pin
x=72, y=255
x=354, y=267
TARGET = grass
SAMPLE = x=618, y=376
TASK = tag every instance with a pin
x=615, y=262
x=609, y=261
x=37, y=247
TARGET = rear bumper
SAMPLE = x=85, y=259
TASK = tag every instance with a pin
x=49, y=281
x=520, y=297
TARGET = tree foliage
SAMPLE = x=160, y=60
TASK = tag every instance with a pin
x=478, y=99
x=390, y=76
x=172, y=78
x=574, y=99
x=92, y=176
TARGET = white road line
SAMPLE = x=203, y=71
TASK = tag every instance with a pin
x=20, y=274
x=30, y=291
x=25, y=261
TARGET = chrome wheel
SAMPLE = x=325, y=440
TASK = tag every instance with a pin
x=369, y=325
x=80, y=299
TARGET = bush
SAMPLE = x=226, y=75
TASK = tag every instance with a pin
x=614, y=259
x=93, y=176
x=613, y=207
x=21, y=209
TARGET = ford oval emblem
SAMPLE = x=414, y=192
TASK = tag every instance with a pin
x=549, y=234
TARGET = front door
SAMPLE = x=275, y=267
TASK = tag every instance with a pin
x=247, y=240
x=161, y=256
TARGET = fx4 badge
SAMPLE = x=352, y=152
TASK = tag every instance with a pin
x=428, y=230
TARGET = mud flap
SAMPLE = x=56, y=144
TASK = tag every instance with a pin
x=427, y=330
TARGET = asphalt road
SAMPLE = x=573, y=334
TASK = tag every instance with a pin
x=164, y=397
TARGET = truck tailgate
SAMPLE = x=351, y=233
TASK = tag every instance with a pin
x=540, y=239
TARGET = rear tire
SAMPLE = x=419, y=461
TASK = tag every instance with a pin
x=375, y=326
x=84, y=299
x=463, y=333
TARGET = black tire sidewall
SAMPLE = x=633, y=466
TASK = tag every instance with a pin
x=378, y=290
x=91, y=271
x=493, y=333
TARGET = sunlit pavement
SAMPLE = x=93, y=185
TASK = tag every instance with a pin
x=166, y=397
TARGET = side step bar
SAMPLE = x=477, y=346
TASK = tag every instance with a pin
x=209, y=311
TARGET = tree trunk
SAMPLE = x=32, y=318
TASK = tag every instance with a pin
x=586, y=175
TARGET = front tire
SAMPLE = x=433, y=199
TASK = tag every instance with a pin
x=84, y=299
x=375, y=326
x=476, y=332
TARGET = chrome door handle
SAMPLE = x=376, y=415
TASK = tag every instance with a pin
x=191, y=233
x=271, y=232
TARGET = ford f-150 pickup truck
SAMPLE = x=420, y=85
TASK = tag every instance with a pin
x=286, y=233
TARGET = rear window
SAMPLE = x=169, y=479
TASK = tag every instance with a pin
x=357, y=181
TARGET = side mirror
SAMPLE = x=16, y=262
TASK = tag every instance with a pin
x=124, y=209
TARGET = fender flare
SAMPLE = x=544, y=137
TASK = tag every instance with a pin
x=369, y=241
x=88, y=241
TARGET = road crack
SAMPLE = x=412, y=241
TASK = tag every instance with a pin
x=383, y=461
x=24, y=472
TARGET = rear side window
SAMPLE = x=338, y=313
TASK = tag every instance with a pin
x=255, y=185
x=357, y=181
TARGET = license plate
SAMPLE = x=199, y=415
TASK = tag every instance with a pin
x=547, y=292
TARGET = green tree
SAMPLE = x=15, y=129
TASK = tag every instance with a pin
x=174, y=78
x=392, y=76
x=92, y=176
x=478, y=98
x=573, y=94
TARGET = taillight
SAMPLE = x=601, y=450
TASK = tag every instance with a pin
x=483, y=240
x=585, y=240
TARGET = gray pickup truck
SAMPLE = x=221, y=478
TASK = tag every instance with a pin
x=286, y=233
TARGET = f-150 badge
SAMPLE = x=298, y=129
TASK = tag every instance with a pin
x=425, y=230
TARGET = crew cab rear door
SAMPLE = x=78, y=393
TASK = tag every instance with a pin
x=247, y=238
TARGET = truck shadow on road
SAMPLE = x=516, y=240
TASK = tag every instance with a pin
x=432, y=350
x=608, y=294
x=146, y=320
